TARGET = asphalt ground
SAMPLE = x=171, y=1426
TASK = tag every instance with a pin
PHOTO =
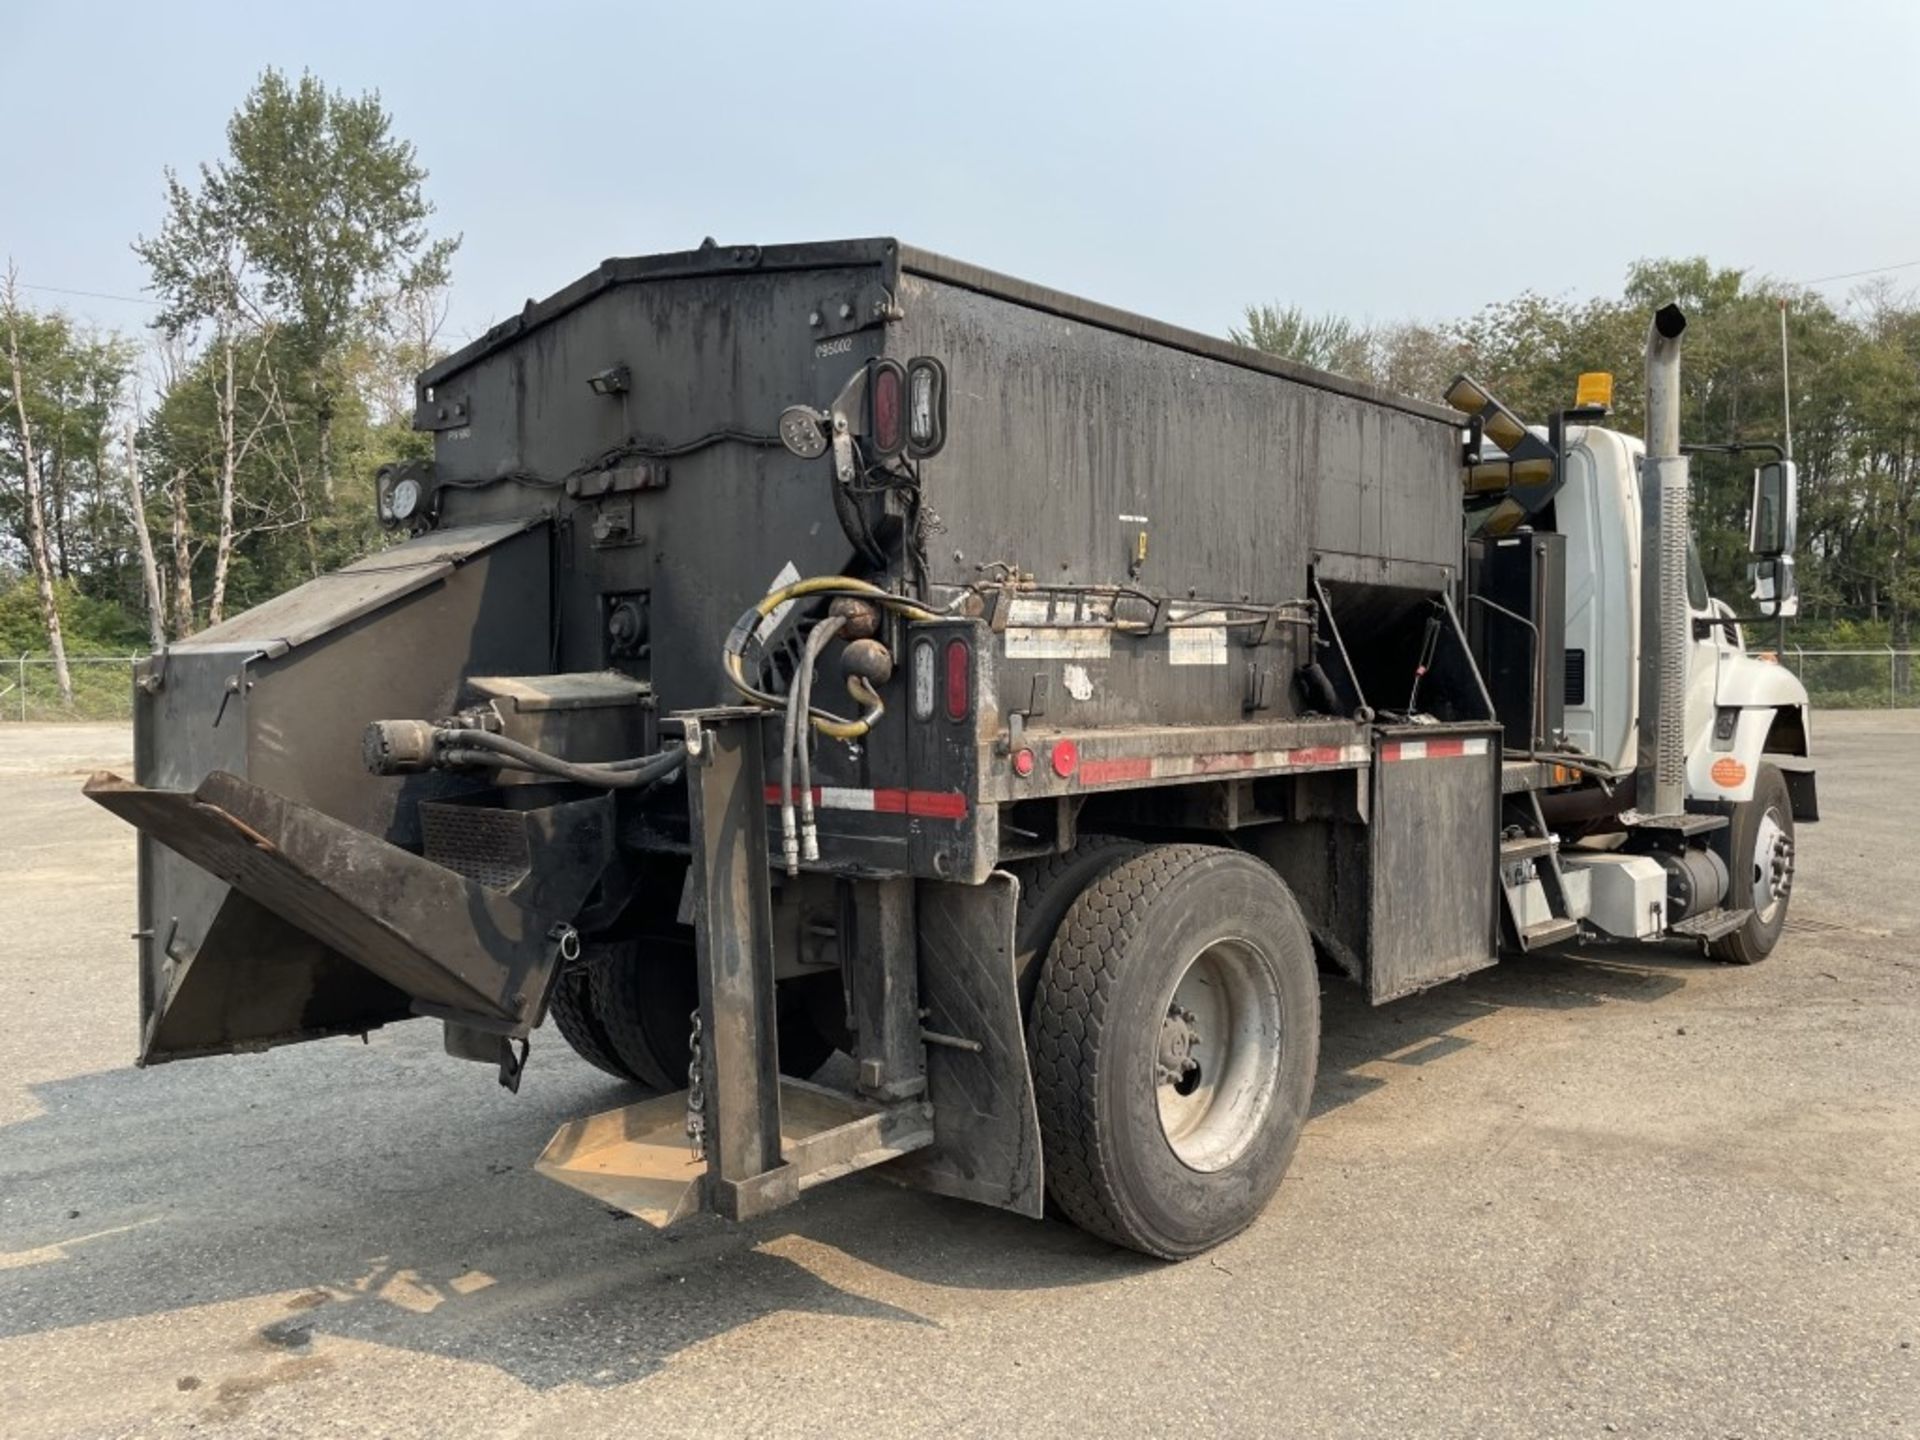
x=1620, y=1192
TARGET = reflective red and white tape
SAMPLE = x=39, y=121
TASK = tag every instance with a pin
x=931, y=804
x=1180, y=767
x=1431, y=749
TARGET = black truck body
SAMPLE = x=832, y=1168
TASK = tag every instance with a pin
x=1146, y=586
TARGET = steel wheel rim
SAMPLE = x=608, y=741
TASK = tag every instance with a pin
x=1216, y=1064
x=1772, y=865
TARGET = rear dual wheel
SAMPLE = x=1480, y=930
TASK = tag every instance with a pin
x=1174, y=1033
x=626, y=1007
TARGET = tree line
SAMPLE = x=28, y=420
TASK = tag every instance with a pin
x=153, y=485
x=1851, y=380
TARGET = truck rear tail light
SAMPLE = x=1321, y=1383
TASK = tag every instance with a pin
x=926, y=406
x=887, y=408
x=923, y=679
x=959, y=680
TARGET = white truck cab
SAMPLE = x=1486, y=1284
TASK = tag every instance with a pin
x=1690, y=751
x=1739, y=706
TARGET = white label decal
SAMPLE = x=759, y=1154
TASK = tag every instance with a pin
x=1054, y=642
x=774, y=618
x=1079, y=683
x=1133, y=519
x=1191, y=644
x=842, y=346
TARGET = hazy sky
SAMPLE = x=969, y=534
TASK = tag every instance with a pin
x=1382, y=160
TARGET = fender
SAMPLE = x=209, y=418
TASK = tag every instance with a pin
x=1764, y=695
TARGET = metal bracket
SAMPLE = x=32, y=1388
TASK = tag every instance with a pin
x=1259, y=688
x=489, y=1047
x=1000, y=610
x=1038, y=692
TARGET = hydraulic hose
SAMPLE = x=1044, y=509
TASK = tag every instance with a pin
x=468, y=746
x=799, y=703
x=793, y=843
x=733, y=655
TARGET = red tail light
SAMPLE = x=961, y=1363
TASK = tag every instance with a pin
x=959, y=680
x=887, y=402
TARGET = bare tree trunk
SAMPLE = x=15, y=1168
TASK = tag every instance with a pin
x=229, y=465
x=182, y=557
x=323, y=434
x=36, y=508
x=57, y=495
x=149, y=567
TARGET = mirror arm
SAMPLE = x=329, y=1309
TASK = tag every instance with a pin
x=1734, y=447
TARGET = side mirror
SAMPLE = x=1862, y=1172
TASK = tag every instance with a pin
x=1774, y=590
x=1775, y=515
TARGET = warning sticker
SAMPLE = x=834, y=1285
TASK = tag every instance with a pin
x=1193, y=641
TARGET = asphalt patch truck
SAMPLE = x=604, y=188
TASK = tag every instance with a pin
x=910, y=719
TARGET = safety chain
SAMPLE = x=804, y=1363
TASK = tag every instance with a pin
x=696, y=1092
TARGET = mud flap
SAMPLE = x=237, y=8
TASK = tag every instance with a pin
x=986, y=1129
x=1434, y=857
x=311, y=893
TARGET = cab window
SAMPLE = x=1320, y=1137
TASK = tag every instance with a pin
x=1697, y=597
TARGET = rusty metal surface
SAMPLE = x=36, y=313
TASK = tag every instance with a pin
x=309, y=611
x=637, y=1158
x=290, y=720
x=443, y=940
x=733, y=937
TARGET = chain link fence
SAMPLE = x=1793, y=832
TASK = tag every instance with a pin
x=102, y=688
x=1881, y=678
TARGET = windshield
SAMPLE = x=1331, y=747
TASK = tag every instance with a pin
x=1697, y=597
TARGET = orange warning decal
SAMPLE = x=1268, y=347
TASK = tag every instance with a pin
x=1728, y=773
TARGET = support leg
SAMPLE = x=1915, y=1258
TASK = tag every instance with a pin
x=884, y=976
x=733, y=928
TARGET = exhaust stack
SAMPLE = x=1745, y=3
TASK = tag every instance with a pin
x=1661, y=769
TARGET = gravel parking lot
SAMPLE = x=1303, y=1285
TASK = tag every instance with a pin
x=1623, y=1192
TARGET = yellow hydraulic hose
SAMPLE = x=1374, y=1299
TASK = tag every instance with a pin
x=734, y=661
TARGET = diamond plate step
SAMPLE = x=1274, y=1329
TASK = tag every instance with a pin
x=1710, y=924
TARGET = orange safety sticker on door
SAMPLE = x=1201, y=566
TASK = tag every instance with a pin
x=1728, y=773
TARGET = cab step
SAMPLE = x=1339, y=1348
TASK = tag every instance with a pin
x=1548, y=932
x=1689, y=823
x=1525, y=847
x=1710, y=925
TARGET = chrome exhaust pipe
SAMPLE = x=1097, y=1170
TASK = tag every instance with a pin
x=1665, y=632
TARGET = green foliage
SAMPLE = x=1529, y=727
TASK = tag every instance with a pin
x=1856, y=407
x=92, y=626
x=1326, y=342
x=73, y=380
x=302, y=265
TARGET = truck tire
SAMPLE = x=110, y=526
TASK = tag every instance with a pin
x=645, y=992
x=571, y=1007
x=1175, y=1034
x=644, y=998
x=1759, y=856
x=1048, y=889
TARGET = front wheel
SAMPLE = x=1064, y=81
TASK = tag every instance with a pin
x=1759, y=856
x=1175, y=1034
